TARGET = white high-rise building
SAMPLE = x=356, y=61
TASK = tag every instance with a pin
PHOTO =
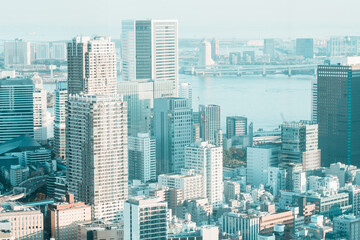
x=92, y=66
x=153, y=226
x=215, y=49
x=314, y=100
x=42, y=50
x=207, y=160
x=40, y=111
x=58, y=51
x=259, y=160
x=300, y=182
x=17, y=52
x=210, y=125
x=61, y=96
x=142, y=157
x=185, y=91
x=97, y=153
x=300, y=144
x=140, y=100
x=150, y=52
x=205, y=54
x=276, y=180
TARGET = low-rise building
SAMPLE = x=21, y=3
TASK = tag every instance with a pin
x=64, y=217
x=26, y=222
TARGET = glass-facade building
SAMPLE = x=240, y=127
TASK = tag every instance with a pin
x=338, y=105
x=16, y=108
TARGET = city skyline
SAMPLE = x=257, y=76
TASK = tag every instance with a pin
x=213, y=137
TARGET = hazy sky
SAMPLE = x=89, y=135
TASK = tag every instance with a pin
x=62, y=19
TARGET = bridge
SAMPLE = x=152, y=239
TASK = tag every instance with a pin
x=239, y=70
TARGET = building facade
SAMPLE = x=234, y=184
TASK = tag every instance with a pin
x=173, y=131
x=97, y=153
x=207, y=160
x=339, y=114
x=16, y=108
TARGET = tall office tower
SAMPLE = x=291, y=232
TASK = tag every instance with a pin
x=269, y=47
x=314, y=99
x=16, y=108
x=207, y=160
x=209, y=122
x=140, y=100
x=299, y=144
x=150, y=52
x=92, y=66
x=339, y=114
x=153, y=226
x=40, y=111
x=215, y=49
x=17, y=52
x=42, y=50
x=305, y=47
x=97, y=153
x=142, y=157
x=58, y=51
x=236, y=126
x=336, y=47
x=205, y=54
x=173, y=131
x=259, y=160
x=185, y=91
x=61, y=96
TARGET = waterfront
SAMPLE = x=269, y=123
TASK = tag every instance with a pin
x=262, y=99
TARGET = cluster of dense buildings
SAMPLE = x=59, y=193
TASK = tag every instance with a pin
x=134, y=159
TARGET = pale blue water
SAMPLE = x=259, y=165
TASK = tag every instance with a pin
x=261, y=99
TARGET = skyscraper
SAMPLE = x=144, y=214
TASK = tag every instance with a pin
x=150, y=52
x=300, y=144
x=207, y=160
x=40, y=111
x=61, y=96
x=16, y=108
x=269, y=47
x=140, y=100
x=339, y=114
x=185, y=91
x=97, y=153
x=17, y=52
x=305, y=47
x=314, y=99
x=215, y=49
x=209, y=123
x=92, y=66
x=236, y=126
x=173, y=131
x=205, y=54
x=142, y=157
